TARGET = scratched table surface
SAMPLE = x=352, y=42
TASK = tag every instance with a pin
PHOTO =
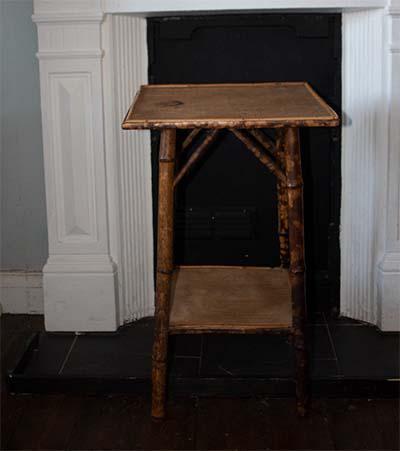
x=255, y=105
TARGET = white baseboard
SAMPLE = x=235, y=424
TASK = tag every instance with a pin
x=389, y=292
x=80, y=293
x=21, y=292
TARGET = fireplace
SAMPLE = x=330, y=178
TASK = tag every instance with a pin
x=94, y=55
x=229, y=217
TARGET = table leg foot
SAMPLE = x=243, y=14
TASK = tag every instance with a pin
x=294, y=184
x=164, y=271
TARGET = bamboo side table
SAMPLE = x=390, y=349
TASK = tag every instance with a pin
x=231, y=299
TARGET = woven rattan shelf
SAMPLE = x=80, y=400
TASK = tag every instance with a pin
x=230, y=299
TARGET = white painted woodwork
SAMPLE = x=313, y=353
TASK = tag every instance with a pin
x=388, y=299
x=125, y=70
x=363, y=149
x=93, y=56
x=79, y=278
x=21, y=292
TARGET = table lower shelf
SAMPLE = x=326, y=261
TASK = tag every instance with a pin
x=230, y=299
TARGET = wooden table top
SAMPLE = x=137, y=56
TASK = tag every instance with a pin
x=255, y=105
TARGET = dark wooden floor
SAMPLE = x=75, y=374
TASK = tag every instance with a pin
x=123, y=421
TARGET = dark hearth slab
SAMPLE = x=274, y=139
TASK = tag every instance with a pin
x=364, y=350
x=49, y=355
x=346, y=359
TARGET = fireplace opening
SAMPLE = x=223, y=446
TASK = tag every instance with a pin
x=226, y=209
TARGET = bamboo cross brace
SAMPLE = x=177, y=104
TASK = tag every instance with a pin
x=263, y=139
x=190, y=137
x=258, y=153
x=208, y=140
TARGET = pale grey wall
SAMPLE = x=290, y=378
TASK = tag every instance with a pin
x=23, y=212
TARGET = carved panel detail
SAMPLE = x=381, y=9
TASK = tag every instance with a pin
x=73, y=156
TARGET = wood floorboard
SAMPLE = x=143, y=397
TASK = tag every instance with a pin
x=353, y=425
x=289, y=431
x=388, y=422
x=31, y=425
x=12, y=409
x=232, y=423
x=98, y=425
x=120, y=422
x=177, y=431
x=59, y=424
x=261, y=424
x=123, y=422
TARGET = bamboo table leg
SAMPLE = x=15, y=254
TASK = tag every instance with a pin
x=297, y=267
x=164, y=269
x=281, y=189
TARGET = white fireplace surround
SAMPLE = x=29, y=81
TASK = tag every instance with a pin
x=93, y=57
